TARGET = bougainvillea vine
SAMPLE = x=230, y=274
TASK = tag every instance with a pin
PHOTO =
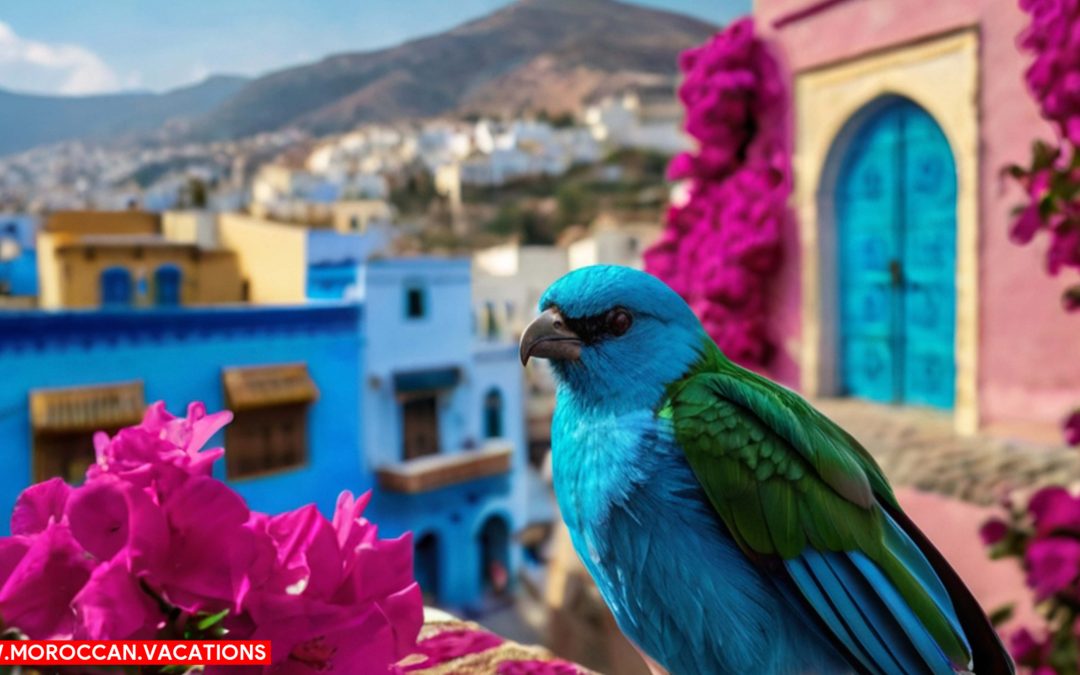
x=1051, y=179
x=721, y=246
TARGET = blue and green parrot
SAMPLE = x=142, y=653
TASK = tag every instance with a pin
x=730, y=526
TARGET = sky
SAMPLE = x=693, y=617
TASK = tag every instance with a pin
x=69, y=47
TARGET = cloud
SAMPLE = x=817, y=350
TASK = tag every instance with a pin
x=44, y=68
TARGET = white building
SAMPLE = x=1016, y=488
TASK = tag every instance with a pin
x=508, y=281
x=611, y=244
x=639, y=120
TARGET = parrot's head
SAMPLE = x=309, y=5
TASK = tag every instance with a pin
x=614, y=333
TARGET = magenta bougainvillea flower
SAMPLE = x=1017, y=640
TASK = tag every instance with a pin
x=1023, y=645
x=721, y=247
x=993, y=531
x=39, y=588
x=1054, y=75
x=1072, y=428
x=151, y=544
x=39, y=505
x=1053, y=565
x=1054, y=509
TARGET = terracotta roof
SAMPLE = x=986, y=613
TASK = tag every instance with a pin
x=87, y=408
x=264, y=386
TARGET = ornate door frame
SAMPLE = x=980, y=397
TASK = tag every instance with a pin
x=940, y=75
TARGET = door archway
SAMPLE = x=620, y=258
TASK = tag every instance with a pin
x=895, y=203
x=494, y=543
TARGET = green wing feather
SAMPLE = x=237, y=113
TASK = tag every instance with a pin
x=783, y=477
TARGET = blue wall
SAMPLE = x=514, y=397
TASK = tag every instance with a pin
x=179, y=355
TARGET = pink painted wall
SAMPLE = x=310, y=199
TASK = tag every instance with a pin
x=1029, y=359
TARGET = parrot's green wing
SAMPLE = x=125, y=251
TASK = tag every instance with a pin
x=791, y=484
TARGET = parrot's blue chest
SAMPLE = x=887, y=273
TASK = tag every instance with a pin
x=677, y=584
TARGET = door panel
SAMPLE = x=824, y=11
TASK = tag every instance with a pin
x=867, y=205
x=929, y=234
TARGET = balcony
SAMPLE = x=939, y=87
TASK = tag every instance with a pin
x=438, y=471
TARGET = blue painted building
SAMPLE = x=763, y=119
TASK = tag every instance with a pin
x=444, y=429
x=18, y=260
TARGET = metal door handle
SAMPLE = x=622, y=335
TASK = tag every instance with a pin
x=896, y=272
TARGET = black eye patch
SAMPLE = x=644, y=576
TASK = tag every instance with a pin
x=593, y=329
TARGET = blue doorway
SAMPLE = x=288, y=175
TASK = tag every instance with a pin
x=896, y=224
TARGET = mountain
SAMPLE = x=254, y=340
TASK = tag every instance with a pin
x=28, y=120
x=533, y=54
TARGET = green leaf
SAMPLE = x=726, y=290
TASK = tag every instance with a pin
x=1044, y=155
x=208, y=621
x=1002, y=614
x=1047, y=206
x=1014, y=171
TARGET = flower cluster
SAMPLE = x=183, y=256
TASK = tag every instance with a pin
x=1045, y=537
x=152, y=546
x=1051, y=180
x=1054, y=77
x=722, y=245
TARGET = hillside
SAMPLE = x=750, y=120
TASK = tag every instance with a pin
x=534, y=54
x=28, y=120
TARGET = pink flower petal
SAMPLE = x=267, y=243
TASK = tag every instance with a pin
x=39, y=505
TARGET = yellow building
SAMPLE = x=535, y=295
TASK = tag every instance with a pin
x=121, y=259
x=272, y=256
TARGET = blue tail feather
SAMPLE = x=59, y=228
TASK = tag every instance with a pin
x=818, y=598
x=877, y=624
x=866, y=613
x=935, y=658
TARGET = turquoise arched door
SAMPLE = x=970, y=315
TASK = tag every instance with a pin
x=896, y=222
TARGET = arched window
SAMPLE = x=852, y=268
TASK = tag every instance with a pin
x=493, y=414
x=494, y=543
x=167, y=280
x=116, y=287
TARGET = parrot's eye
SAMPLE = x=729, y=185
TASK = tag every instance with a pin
x=619, y=321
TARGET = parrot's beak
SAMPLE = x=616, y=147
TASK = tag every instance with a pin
x=548, y=337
